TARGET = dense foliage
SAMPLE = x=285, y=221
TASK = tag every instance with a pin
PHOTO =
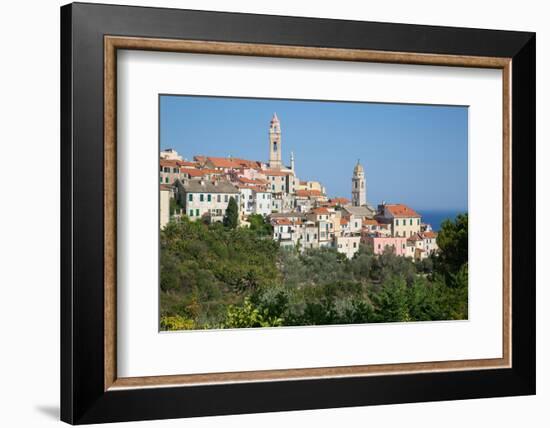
x=221, y=276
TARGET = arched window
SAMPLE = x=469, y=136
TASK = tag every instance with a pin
x=275, y=146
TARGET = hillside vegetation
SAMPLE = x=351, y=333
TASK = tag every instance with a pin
x=222, y=276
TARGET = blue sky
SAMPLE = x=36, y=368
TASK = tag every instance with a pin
x=412, y=154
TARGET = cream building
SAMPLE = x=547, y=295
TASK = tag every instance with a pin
x=275, y=150
x=358, y=186
x=403, y=221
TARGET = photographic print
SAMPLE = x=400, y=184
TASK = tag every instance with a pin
x=278, y=213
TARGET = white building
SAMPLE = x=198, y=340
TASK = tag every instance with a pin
x=246, y=206
x=204, y=198
x=170, y=154
x=164, y=200
x=262, y=201
x=347, y=244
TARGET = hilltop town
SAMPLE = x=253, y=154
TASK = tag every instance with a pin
x=301, y=214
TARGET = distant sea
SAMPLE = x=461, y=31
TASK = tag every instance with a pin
x=435, y=218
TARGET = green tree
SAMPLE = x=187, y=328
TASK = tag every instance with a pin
x=259, y=225
x=248, y=315
x=391, y=302
x=231, y=218
x=452, y=241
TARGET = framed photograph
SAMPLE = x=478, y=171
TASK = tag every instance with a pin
x=267, y=213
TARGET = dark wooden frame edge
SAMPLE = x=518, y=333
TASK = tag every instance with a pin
x=83, y=399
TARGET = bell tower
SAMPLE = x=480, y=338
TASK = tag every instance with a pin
x=275, y=143
x=358, y=186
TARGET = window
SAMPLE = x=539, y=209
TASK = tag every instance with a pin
x=226, y=198
x=209, y=197
x=379, y=247
x=197, y=212
x=355, y=224
x=161, y=169
x=190, y=213
x=219, y=198
x=202, y=197
x=355, y=245
x=272, y=187
x=167, y=180
x=418, y=221
x=175, y=170
x=166, y=169
x=161, y=180
x=190, y=197
x=411, y=222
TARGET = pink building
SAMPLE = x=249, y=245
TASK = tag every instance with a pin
x=379, y=243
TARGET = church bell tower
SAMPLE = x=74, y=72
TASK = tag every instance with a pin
x=275, y=143
x=358, y=186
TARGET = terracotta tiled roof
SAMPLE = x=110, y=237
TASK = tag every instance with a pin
x=252, y=164
x=282, y=221
x=401, y=210
x=430, y=235
x=170, y=162
x=222, y=162
x=370, y=222
x=192, y=172
x=308, y=193
x=275, y=173
x=187, y=163
x=321, y=210
x=341, y=201
x=254, y=181
x=415, y=237
x=165, y=187
x=344, y=221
